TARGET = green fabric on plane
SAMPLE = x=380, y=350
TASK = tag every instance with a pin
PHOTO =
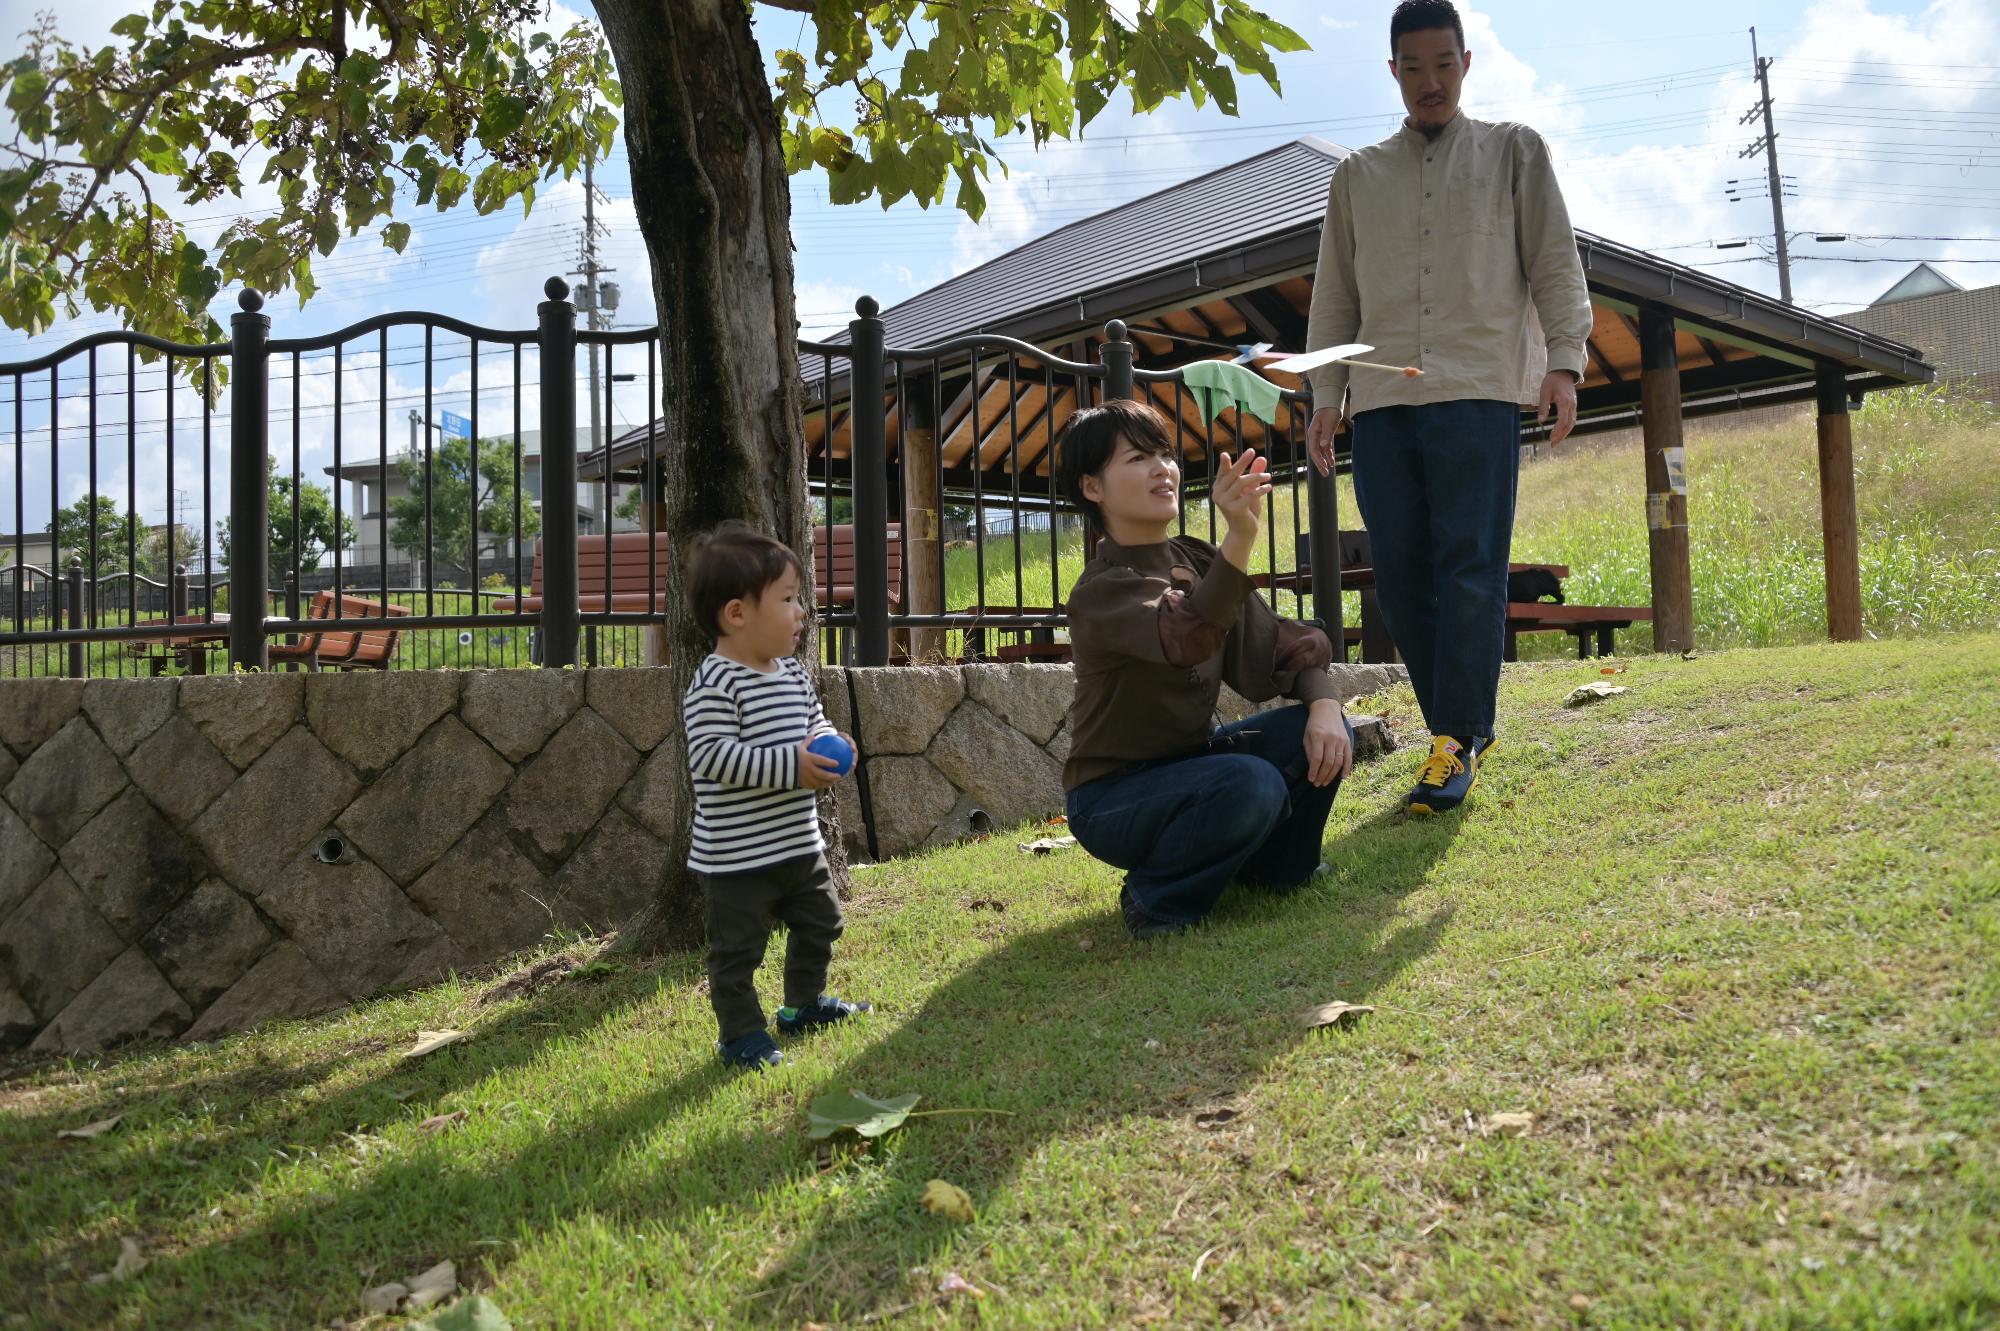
x=1219, y=383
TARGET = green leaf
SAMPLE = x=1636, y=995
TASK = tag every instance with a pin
x=851, y=1111
x=477, y=1313
x=396, y=235
x=132, y=27
x=504, y=114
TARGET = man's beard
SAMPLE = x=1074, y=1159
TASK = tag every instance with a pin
x=1429, y=131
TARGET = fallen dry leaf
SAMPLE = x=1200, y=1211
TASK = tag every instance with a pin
x=385, y=1298
x=1580, y=1302
x=1595, y=691
x=429, y=1042
x=989, y=903
x=433, y=1286
x=1085, y=944
x=947, y=1200
x=1215, y=1118
x=97, y=1129
x=954, y=1283
x=1334, y=1014
x=439, y=1122
x=1507, y=1125
x=1046, y=845
x=130, y=1263
x=528, y=980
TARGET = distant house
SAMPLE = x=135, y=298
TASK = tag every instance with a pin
x=369, y=485
x=1957, y=329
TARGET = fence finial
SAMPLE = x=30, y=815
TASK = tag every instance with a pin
x=250, y=300
x=556, y=289
x=867, y=307
x=1115, y=330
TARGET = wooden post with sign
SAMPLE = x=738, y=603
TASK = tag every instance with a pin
x=1666, y=481
x=922, y=500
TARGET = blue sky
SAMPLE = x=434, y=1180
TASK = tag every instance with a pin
x=1888, y=115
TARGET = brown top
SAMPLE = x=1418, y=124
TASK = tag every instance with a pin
x=1155, y=631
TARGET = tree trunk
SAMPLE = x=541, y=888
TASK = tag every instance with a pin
x=710, y=193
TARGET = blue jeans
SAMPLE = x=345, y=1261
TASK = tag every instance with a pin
x=1436, y=487
x=1184, y=827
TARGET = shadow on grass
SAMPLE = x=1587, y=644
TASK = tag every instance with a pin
x=1050, y=1025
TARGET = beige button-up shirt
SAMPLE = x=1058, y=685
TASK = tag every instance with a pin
x=1454, y=255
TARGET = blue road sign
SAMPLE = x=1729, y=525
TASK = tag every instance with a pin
x=457, y=426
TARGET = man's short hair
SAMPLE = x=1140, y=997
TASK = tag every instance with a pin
x=1423, y=15
x=1090, y=438
x=732, y=562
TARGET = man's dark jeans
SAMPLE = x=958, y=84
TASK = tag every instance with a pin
x=1183, y=828
x=741, y=909
x=1436, y=487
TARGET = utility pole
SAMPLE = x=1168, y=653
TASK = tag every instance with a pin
x=590, y=294
x=1769, y=145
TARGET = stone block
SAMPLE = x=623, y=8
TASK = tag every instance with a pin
x=968, y=818
x=1058, y=745
x=24, y=860
x=853, y=827
x=275, y=810
x=1358, y=681
x=487, y=895
x=652, y=795
x=65, y=782
x=126, y=711
x=1372, y=737
x=1000, y=768
x=284, y=984
x=358, y=928
x=132, y=865
x=901, y=708
x=243, y=715
x=560, y=794
x=9, y=765
x=426, y=802
x=1032, y=698
x=130, y=1000
x=179, y=770
x=910, y=797
x=517, y=710
x=638, y=702
x=31, y=710
x=372, y=717
x=53, y=945
x=616, y=871
x=206, y=943
x=17, y=1019
x=831, y=681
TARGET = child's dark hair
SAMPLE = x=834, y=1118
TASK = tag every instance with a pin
x=1090, y=438
x=732, y=562
x=1421, y=16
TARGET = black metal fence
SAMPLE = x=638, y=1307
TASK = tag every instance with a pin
x=972, y=421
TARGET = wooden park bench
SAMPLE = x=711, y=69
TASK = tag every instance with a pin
x=834, y=566
x=365, y=649
x=629, y=593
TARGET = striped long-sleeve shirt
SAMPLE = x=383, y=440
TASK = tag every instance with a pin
x=744, y=728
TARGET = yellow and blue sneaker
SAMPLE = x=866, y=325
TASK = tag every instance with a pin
x=1448, y=775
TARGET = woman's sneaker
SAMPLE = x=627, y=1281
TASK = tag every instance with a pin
x=755, y=1051
x=825, y=1011
x=1447, y=776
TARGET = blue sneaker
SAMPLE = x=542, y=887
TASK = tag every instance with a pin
x=1447, y=776
x=756, y=1051
x=825, y=1011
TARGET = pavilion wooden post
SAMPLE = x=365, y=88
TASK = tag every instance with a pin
x=1666, y=481
x=922, y=501
x=1839, y=524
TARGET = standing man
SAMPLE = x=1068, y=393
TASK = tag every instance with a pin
x=1446, y=246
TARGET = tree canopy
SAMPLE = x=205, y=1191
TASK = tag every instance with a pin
x=362, y=114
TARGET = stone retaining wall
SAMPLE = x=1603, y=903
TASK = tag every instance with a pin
x=161, y=840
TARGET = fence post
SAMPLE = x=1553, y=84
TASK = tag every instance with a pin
x=249, y=482
x=1116, y=353
x=1323, y=554
x=73, y=593
x=871, y=485
x=560, y=613
x=177, y=593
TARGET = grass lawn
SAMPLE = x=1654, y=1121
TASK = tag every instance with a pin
x=1731, y=938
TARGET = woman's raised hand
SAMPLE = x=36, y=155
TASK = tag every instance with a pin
x=1240, y=486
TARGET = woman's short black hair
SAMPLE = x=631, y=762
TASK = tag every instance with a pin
x=1090, y=438
x=733, y=562
x=1421, y=16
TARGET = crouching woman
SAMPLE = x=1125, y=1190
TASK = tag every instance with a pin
x=1158, y=623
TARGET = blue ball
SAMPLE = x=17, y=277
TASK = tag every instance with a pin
x=836, y=748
